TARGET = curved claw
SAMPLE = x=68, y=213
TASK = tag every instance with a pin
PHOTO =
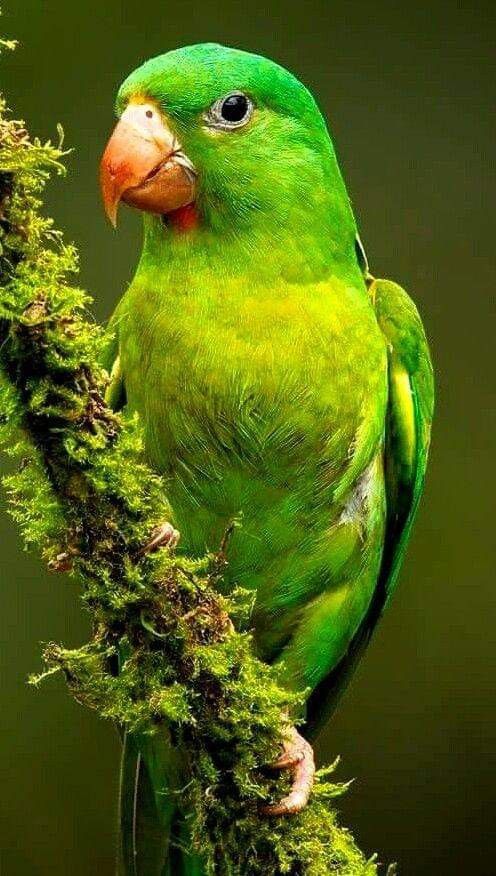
x=298, y=757
x=163, y=536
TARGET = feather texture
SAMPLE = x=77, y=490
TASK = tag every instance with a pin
x=277, y=385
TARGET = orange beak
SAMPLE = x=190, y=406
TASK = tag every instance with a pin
x=144, y=165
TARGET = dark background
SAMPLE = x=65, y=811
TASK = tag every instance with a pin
x=407, y=90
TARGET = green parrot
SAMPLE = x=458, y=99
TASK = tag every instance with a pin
x=278, y=383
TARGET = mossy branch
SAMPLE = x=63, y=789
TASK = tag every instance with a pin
x=84, y=494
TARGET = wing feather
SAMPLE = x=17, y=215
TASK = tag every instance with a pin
x=410, y=411
x=406, y=448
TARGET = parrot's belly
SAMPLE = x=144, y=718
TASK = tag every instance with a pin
x=265, y=415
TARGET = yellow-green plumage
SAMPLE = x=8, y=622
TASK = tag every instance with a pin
x=276, y=388
x=234, y=383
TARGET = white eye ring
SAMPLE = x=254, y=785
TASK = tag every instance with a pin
x=230, y=112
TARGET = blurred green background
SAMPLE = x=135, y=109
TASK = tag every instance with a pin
x=407, y=89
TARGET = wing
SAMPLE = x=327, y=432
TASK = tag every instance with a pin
x=408, y=427
x=406, y=447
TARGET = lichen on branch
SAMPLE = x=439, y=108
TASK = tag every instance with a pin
x=83, y=493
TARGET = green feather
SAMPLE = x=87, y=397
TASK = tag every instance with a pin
x=273, y=388
x=411, y=408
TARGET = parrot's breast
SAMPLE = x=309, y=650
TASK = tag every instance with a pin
x=263, y=406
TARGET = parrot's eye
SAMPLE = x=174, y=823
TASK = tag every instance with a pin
x=230, y=112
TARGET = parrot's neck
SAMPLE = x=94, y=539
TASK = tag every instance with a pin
x=310, y=246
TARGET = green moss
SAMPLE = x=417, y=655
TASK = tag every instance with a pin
x=83, y=493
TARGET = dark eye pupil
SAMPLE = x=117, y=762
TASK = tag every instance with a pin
x=234, y=108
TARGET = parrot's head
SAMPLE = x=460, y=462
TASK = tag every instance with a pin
x=218, y=139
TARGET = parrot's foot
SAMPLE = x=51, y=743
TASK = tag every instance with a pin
x=163, y=536
x=297, y=757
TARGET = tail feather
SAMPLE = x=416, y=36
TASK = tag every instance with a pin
x=149, y=818
x=144, y=826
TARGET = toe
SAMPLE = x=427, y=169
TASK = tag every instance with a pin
x=293, y=751
x=303, y=771
x=163, y=536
